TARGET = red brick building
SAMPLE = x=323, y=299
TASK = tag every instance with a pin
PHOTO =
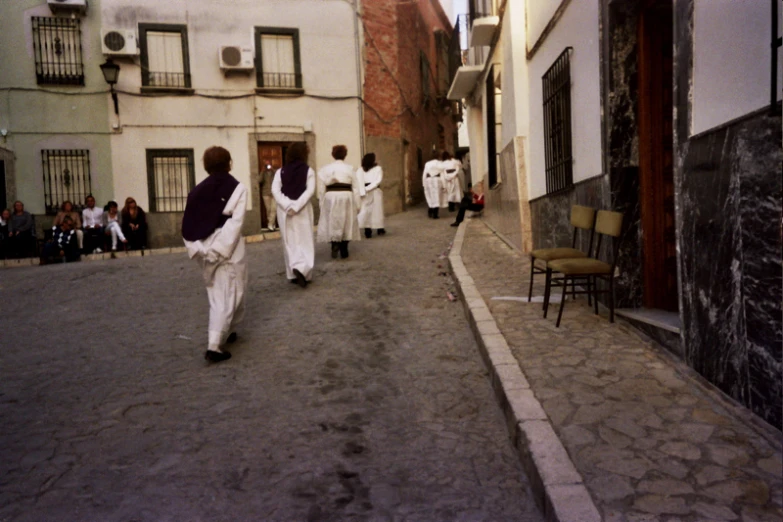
x=407, y=117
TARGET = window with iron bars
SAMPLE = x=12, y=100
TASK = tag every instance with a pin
x=557, y=124
x=164, y=56
x=57, y=46
x=66, y=177
x=278, y=64
x=171, y=176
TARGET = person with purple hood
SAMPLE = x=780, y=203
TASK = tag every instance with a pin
x=292, y=188
x=211, y=228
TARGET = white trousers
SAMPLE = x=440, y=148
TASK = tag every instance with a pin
x=116, y=231
x=271, y=206
x=226, y=301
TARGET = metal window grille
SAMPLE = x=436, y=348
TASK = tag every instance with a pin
x=57, y=46
x=277, y=58
x=66, y=177
x=424, y=65
x=282, y=80
x=557, y=124
x=164, y=60
x=171, y=176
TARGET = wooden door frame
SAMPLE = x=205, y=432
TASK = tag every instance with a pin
x=651, y=115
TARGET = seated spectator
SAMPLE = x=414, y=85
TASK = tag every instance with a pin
x=92, y=221
x=66, y=209
x=111, y=225
x=63, y=246
x=134, y=224
x=474, y=202
x=5, y=222
x=21, y=232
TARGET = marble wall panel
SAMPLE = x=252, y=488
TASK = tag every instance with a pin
x=551, y=214
x=730, y=247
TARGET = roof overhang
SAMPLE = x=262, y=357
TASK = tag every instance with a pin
x=464, y=81
x=483, y=30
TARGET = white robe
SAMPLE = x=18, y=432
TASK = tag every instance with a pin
x=296, y=230
x=451, y=171
x=432, y=180
x=339, y=209
x=221, y=257
x=371, y=213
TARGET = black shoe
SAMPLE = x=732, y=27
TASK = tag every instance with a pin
x=294, y=281
x=435, y=213
x=455, y=224
x=344, y=249
x=381, y=232
x=335, y=249
x=368, y=233
x=232, y=338
x=300, y=278
x=429, y=212
x=215, y=357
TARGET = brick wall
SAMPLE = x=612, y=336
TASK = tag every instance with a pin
x=396, y=33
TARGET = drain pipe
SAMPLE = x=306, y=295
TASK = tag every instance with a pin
x=359, y=93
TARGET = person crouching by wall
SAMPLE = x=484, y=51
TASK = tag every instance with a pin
x=112, y=225
x=340, y=192
x=66, y=209
x=211, y=229
x=371, y=213
x=92, y=221
x=63, y=246
x=292, y=187
x=133, y=221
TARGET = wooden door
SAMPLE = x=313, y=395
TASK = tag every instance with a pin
x=656, y=175
x=269, y=154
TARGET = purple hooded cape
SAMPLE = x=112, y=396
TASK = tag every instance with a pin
x=293, y=178
x=204, y=210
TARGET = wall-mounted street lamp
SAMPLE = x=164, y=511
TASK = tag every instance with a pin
x=111, y=72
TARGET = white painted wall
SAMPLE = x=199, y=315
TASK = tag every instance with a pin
x=731, y=60
x=328, y=69
x=579, y=29
x=539, y=12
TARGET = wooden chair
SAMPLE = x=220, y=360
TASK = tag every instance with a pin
x=589, y=269
x=581, y=218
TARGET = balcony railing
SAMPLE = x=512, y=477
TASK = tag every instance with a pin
x=281, y=80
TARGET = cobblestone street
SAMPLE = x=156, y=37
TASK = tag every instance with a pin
x=362, y=397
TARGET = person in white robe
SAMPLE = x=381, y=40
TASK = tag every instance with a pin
x=451, y=180
x=371, y=213
x=211, y=229
x=340, y=192
x=292, y=188
x=434, y=190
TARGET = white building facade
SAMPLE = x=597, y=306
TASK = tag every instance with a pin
x=669, y=112
x=250, y=76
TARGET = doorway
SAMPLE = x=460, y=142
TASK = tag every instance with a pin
x=656, y=174
x=270, y=157
x=3, y=193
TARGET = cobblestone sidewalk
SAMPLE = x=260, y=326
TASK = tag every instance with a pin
x=650, y=441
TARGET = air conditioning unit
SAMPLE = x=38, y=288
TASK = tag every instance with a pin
x=79, y=6
x=236, y=58
x=119, y=42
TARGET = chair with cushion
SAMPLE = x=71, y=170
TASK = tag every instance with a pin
x=582, y=218
x=588, y=270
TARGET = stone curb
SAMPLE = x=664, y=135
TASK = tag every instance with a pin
x=557, y=486
x=33, y=261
